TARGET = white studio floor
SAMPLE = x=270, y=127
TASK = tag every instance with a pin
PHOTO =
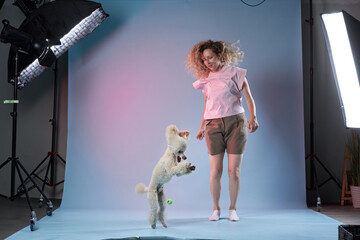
x=254, y=224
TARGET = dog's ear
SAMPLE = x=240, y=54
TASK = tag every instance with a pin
x=184, y=134
x=171, y=130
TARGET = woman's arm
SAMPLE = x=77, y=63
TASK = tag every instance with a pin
x=200, y=134
x=252, y=123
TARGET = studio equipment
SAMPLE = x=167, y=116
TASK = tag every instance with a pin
x=342, y=34
x=53, y=155
x=62, y=23
x=312, y=156
x=21, y=42
x=45, y=34
x=67, y=23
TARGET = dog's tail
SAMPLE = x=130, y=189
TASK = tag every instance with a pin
x=141, y=188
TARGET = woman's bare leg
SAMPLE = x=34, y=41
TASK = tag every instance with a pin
x=216, y=168
x=234, y=178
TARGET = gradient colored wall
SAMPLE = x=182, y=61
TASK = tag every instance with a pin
x=127, y=82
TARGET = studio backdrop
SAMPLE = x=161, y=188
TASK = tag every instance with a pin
x=128, y=82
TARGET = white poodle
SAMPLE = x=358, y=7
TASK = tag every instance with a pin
x=170, y=164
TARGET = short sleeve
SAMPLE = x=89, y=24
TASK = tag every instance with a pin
x=241, y=73
x=199, y=84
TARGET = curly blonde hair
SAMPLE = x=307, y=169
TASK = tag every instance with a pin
x=229, y=54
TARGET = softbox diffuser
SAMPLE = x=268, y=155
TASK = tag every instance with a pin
x=342, y=35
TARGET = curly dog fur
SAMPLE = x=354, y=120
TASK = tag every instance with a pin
x=170, y=164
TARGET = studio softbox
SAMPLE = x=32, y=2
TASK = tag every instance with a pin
x=62, y=23
x=342, y=34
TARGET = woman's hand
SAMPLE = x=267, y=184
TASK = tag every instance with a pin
x=253, y=125
x=201, y=133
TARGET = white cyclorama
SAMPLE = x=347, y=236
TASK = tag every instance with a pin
x=344, y=68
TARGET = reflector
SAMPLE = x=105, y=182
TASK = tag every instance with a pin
x=342, y=34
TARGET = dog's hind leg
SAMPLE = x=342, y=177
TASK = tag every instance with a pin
x=153, y=200
x=162, y=205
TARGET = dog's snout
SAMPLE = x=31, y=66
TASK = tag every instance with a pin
x=184, y=157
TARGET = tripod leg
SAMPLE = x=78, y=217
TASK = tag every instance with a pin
x=33, y=220
x=328, y=172
x=4, y=163
x=57, y=155
x=12, y=179
x=61, y=158
x=32, y=173
x=37, y=167
x=43, y=186
x=318, y=199
x=49, y=203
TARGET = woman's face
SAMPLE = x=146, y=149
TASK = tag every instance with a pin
x=211, y=60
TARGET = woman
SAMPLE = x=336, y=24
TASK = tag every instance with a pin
x=224, y=122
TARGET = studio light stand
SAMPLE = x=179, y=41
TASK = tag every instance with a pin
x=53, y=155
x=47, y=32
x=16, y=165
x=312, y=156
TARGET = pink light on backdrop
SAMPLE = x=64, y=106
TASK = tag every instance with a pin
x=124, y=98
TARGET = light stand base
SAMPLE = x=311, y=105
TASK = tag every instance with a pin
x=314, y=179
x=51, y=156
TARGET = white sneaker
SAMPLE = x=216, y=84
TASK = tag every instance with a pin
x=215, y=216
x=233, y=216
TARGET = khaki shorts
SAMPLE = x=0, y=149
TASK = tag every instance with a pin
x=228, y=133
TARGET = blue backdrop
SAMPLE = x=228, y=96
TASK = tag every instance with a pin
x=127, y=82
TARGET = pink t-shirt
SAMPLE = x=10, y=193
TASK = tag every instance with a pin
x=223, y=92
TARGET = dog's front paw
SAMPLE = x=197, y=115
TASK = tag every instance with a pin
x=189, y=168
x=183, y=168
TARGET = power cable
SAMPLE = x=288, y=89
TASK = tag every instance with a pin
x=253, y=5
